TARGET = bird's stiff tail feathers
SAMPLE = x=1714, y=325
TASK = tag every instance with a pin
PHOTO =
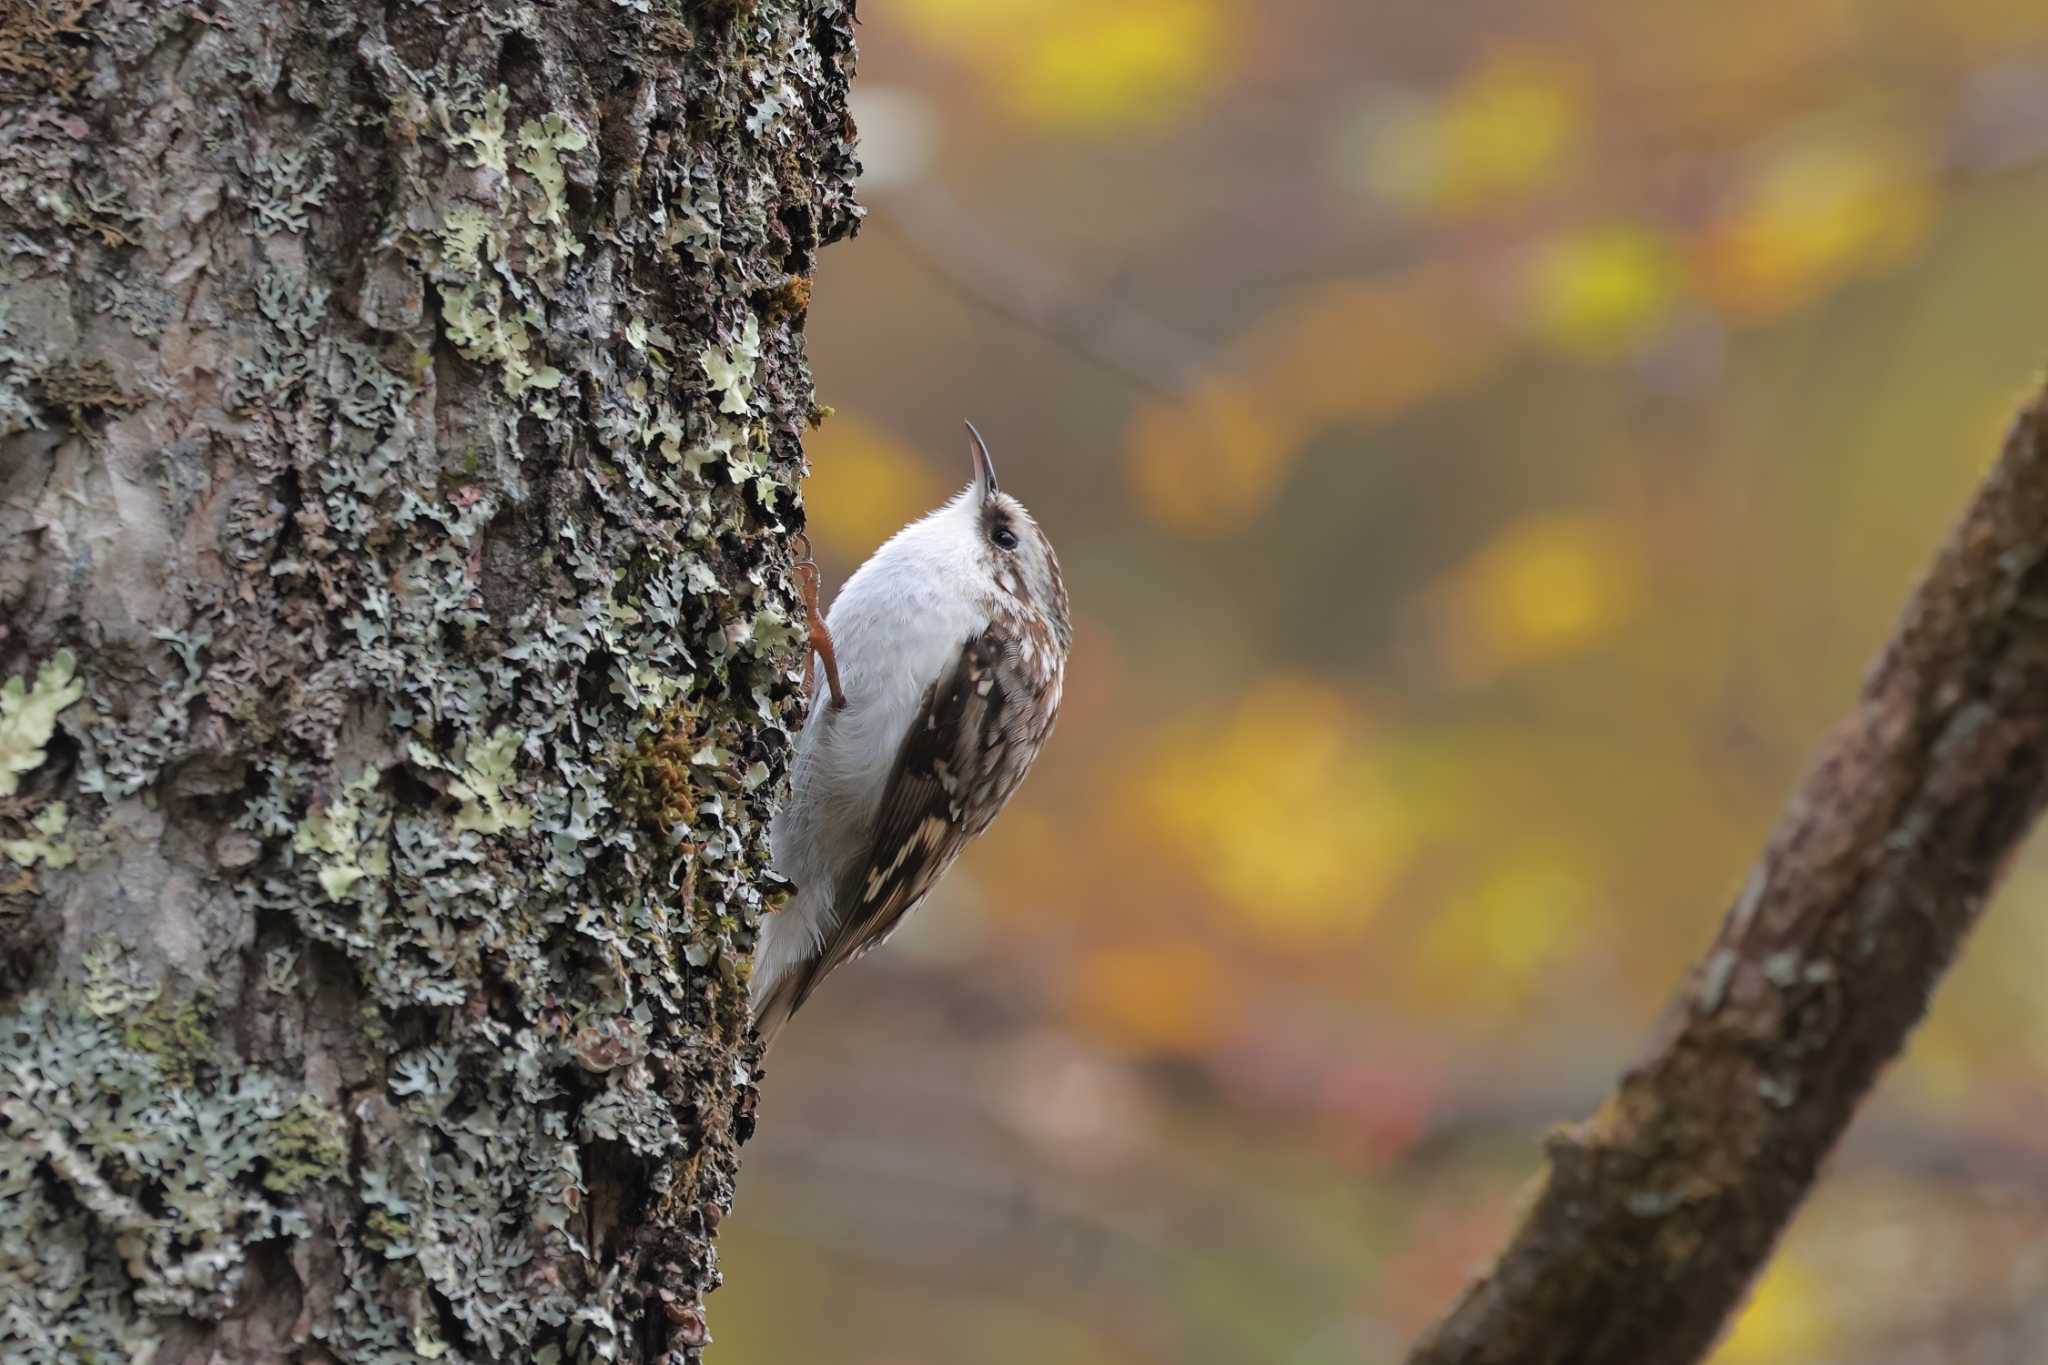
x=774, y=1010
x=782, y=978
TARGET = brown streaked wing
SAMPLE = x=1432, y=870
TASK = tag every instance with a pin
x=965, y=754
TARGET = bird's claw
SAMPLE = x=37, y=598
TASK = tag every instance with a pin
x=821, y=638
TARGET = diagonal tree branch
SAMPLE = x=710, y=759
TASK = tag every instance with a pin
x=1658, y=1210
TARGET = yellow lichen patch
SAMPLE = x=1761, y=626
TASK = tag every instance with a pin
x=486, y=768
x=730, y=368
x=485, y=325
x=482, y=133
x=541, y=144
x=308, y=1143
x=480, y=778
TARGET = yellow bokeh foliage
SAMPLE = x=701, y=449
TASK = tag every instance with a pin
x=1547, y=585
x=1513, y=123
x=1784, y=1320
x=1648, y=353
x=1084, y=64
x=1819, y=208
x=1275, y=806
x=1599, y=291
x=1525, y=910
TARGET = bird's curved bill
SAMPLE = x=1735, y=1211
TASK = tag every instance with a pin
x=984, y=467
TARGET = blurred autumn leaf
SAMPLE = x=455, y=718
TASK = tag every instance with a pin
x=1513, y=122
x=1277, y=808
x=1208, y=464
x=1604, y=289
x=1818, y=207
x=1523, y=913
x=1546, y=585
x=1078, y=65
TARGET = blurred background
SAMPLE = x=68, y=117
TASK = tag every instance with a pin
x=1486, y=441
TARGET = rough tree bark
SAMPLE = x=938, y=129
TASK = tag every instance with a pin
x=399, y=421
x=1658, y=1210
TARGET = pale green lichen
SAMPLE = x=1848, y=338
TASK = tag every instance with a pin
x=482, y=130
x=482, y=771
x=46, y=846
x=176, y=1028
x=541, y=144
x=119, y=761
x=296, y=309
x=771, y=106
x=486, y=326
x=731, y=368
x=28, y=717
x=345, y=841
x=469, y=236
x=692, y=224
x=308, y=1143
x=120, y=1178
x=491, y=312
x=716, y=444
x=114, y=983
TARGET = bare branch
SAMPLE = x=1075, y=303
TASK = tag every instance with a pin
x=1659, y=1209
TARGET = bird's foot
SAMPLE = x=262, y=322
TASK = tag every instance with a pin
x=821, y=638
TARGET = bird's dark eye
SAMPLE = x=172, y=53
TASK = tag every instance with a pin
x=1004, y=537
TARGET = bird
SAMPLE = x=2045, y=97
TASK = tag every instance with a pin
x=945, y=659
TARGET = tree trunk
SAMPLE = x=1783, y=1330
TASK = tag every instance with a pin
x=399, y=422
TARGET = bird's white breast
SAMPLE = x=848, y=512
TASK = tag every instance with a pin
x=897, y=626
